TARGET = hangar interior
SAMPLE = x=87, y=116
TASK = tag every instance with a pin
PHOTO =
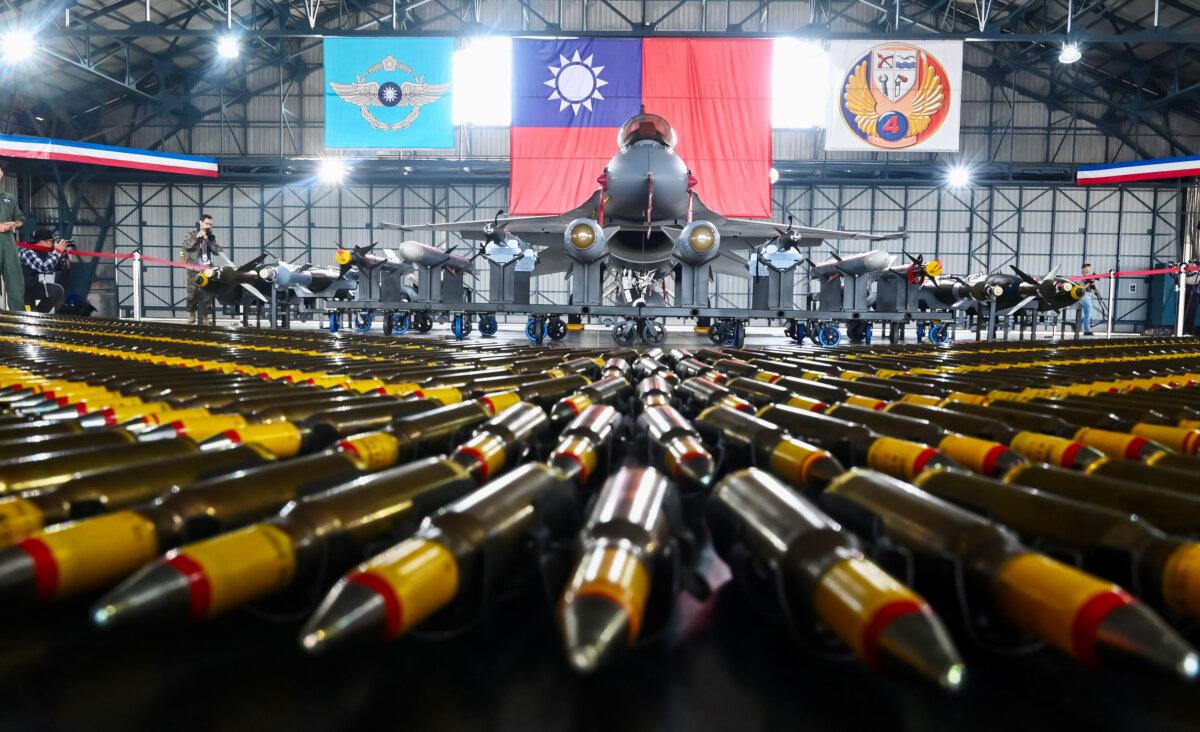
x=231, y=525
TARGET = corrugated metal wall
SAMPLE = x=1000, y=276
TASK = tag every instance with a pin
x=970, y=230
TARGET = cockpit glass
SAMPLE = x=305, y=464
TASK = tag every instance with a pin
x=646, y=127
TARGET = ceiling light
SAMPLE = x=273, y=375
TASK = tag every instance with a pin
x=17, y=46
x=1070, y=53
x=333, y=171
x=228, y=48
x=959, y=177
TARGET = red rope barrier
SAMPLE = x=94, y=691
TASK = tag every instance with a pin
x=115, y=255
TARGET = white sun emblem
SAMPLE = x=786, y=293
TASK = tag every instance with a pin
x=389, y=95
x=575, y=83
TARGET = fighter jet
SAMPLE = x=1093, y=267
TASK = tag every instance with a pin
x=645, y=217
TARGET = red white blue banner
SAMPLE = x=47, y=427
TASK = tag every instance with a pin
x=44, y=148
x=1157, y=169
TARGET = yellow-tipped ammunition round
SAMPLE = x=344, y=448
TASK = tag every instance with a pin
x=282, y=439
x=18, y=518
x=1179, y=439
x=1181, y=580
x=1045, y=448
x=500, y=401
x=372, y=451
x=976, y=454
x=856, y=600
x=899, y=458
x=415, y=578
x=235, y=568
x=68, y=560
x=614, y=574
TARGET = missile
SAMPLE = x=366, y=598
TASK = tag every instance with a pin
x=414, y=252
x=601, y=610
x=60, y=562
x=985, y=457
x=855, y=444
x=867, y=262
x=745, y=441
x=781, y=546
x=675, y=447
x=397, y=590
x=1118, y=546
x=1087, y=618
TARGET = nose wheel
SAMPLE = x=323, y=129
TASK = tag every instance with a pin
x=628, y=331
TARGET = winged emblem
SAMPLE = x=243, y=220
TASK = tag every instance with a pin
x=366, y=94
x=916, y=107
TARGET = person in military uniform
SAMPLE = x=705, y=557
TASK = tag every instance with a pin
x=199, y=247
x=11, y=220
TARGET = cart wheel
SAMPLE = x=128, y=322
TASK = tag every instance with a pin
x=830, y=335
x=423, y=323
x=334, y=321
x=939, y=333
x=401, y=323
x=920, y=330
x=736, y=334
x=389, y=322
x=653, y=333
x=814, y=332
x=458, y=327
x=363, y=322
x=800, y=332
x=857, y=331
x=488, y=325
x=718, y=332
x=556, y=329
x=530, y=333
x=789, y=330
x=624, y=333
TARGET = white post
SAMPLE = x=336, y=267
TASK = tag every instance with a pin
x=1112, y=301
x=137, y=286
x=1179, y=301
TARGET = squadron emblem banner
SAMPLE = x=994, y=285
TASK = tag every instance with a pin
x=388, y=93
x=891, y=95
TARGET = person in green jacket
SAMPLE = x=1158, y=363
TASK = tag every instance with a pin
x=11, y=220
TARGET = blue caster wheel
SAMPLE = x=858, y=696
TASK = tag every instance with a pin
x=800, y=333
x=535, y=330
x=362, y=322
x=401, y=323
x=458, y=327
x=488, y=325
x=920, y=330
x=829, y=335
x=939, y=333
x=530, y=329
x=334, y=322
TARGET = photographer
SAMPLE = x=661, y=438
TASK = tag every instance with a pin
x=1089, y=295
x=199, y=247
x=41, y=296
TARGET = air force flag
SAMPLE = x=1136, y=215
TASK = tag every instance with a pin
x=388, y=92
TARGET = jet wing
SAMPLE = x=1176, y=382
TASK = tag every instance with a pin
x=533, y=229
x=751, y=232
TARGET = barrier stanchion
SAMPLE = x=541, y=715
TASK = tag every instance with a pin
x=1179, y=300
x=138, y=303
x=1112, y=301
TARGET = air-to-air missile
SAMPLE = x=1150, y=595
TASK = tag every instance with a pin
x=983, y=456
x=602, y=608
x=782, y=547
x=1091, y=620
x=748, y=441
x=414, y=252
x=309, y=280
x=1163, y=569
x=854, y=444
x=326, y=530
x=482, y=532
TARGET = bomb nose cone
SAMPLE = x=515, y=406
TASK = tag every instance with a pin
x=159, y=592
x=595, y=632
x=919, y=642
x=352, y=611
x=18, y=575
x=1133, y=633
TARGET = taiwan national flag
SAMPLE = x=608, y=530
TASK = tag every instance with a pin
x=571, y=96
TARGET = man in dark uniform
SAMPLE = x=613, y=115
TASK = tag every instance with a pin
x=11, y=220
x=199, y=247
x=41, y=296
